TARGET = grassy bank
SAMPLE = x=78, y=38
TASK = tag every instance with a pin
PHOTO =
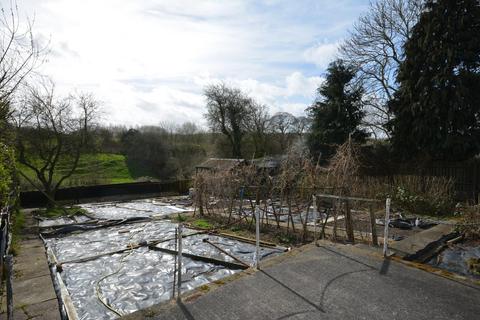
x=99, y=168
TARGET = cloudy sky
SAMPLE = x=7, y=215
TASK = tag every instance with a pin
x=149, y=60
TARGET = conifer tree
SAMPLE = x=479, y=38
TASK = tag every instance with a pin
x=437, y=108
x=337, y=112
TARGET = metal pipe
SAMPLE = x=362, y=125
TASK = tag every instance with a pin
x=315, y=217
x=179, y=257
x=387, y=222
x=257, y=238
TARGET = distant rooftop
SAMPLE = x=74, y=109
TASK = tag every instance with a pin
x=220, y=164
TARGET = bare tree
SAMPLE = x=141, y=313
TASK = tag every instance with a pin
x=301, y=126
x=229, y=111
x=258, y=127
x=283, y=124
x=19, y=52
x=375, y=48
x=19, y=55
x=53, y=132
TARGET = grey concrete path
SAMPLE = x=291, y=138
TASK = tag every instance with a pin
x=33, y=293
x=330, y=282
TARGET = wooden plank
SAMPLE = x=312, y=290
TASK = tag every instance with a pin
x=226, y=252
x=227, y=264
x=330, y=196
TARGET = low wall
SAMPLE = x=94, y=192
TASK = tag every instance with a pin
x=29, y=199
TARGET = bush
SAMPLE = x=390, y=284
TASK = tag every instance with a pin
x=7, y=171
x=470, y=222
x=423, y=195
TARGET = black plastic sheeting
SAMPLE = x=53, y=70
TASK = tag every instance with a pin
x=140, y=277
x=455, y=258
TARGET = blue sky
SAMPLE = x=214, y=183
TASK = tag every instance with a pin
x=149, y=60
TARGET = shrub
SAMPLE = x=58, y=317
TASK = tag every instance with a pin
x=423, y=195
x=470, y=222
x=7, y=171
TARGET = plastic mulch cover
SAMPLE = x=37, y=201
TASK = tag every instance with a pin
x=121, y=210
x=138, y=278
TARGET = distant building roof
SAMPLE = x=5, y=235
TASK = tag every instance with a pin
x=269, y=162
x=219, y=164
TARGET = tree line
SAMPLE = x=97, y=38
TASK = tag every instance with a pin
x=408, y=75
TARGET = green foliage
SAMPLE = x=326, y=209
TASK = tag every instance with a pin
x=428, y=203
x=146, y=150
x=181, y=218
x=18, y=223
x=286, y=238
x=437, y=109
x=7, y=171
x=337, y=113
x=202, y=223
x=55, y=212
x=99, y=168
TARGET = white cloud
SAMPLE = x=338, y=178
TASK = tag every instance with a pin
x=149, y=60
x=321, y=54
x=298, y=84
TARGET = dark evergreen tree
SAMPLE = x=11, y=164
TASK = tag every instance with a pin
x=437, y=107
x=337, y=112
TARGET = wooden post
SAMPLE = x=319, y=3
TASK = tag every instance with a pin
x=373, y=226
x=9, y=266
x=179, y=267
x=348, y=223
x=387, y=221
x=315, y=217
x=257, y=238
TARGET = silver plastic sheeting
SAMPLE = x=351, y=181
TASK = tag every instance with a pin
x=99, y=241
x=131, y=281
x=139, y=278
x=243, y=251
x=63, y=220
x=122, y=210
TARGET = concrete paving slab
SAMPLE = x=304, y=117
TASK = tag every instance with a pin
x=18, y=314
x=329, y=282
x=30, y=266
x=419, y=241
x=32, y=291
x=44, y=310
x=34, y=243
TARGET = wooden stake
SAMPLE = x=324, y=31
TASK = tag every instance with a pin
x=348, y=223
x=373, y=227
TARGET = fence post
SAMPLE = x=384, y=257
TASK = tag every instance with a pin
x=257, y=238
x=373, y=227
x=179, y=267
x=387, y=222
x=348, y=222
x=9, y=267
x=315, y=217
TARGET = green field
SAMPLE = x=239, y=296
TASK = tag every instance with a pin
x=100, y=168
